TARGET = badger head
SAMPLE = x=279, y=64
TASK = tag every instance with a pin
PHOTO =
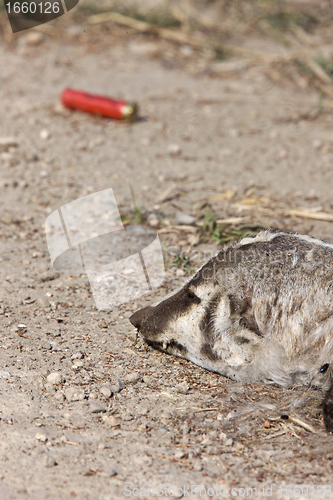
x=211, y=322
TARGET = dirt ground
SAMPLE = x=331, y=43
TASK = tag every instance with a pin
x=216, y=139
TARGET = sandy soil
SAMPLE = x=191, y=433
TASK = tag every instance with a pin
x=208, y=133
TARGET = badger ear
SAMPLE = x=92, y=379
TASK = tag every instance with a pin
x=241, y=312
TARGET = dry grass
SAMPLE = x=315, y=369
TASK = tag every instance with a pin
x=298, y=33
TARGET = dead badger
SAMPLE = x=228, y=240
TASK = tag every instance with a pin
x=259, y=311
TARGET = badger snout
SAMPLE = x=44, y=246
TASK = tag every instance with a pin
x=141, y=318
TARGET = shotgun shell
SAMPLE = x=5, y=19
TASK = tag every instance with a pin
x=99, y=105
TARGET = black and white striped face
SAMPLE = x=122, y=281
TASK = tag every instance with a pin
x=175, y=325
x=204, y=324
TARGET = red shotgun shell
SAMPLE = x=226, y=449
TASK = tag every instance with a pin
x=99, y=105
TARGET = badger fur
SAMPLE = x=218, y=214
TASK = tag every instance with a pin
x=259, y=311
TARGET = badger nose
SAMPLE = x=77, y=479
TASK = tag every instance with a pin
x=138, y=317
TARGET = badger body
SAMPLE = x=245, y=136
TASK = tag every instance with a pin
x=259, y=311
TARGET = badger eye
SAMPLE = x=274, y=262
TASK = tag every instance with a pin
x=324, y=368
x=191, y=295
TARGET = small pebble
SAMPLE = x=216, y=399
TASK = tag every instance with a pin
x=153, y=221
x=239, y=446
x=59, y=396
x=55, y=378
x=132, y=378
x=106, y=391
x=130, y=351
x=184, y=219
x=110, y=421
x=7, y=420
x=40, y=436
x=34, y=38
x=144, y=410
x=7, y=142
x=112, y=472
x=78, y=355
x=44, y=134
x=174, y=149
x=78, y=363
x=166, y=414
x=182, y=387
x=48, y=461
x=74, y=394
x=96, y=408
x=6, y=156
x=223, y=437
x=206, y=441
x=49, y=387
x=42, y=301
x=185, y=428
x=148, y=380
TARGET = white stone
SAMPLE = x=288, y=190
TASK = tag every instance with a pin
x=55, y=378
x=44, y=134
x=106, y=391
x=182, y=387
x=74, y=394
x=174, y=149
x=132, y=378
x=7, y=142
x=40, y=436
x=110, y=421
